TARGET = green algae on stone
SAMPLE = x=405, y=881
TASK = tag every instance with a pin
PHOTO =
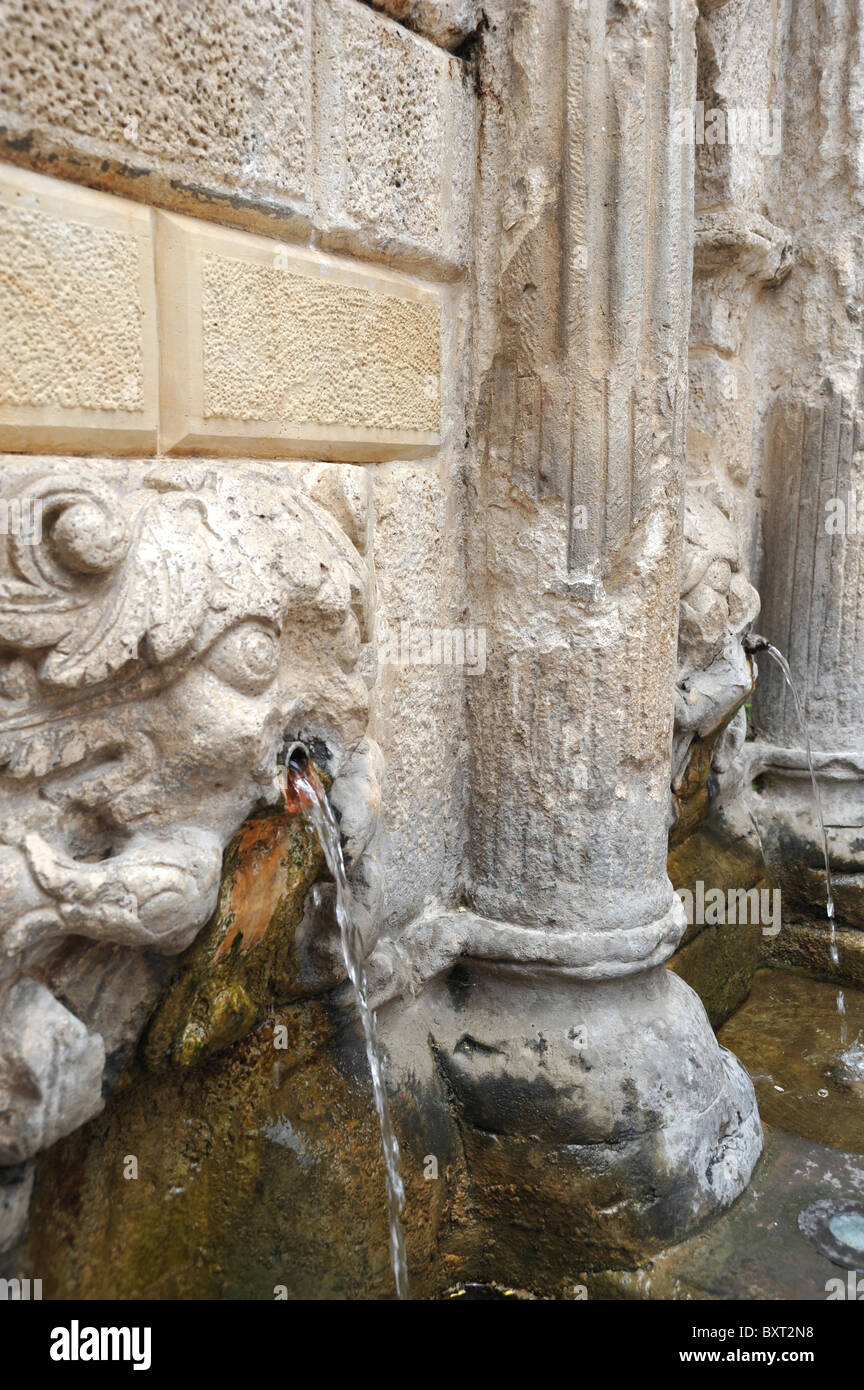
x=805, y=946
x=259, y=1176
x=247, y=957
x=249, y=1113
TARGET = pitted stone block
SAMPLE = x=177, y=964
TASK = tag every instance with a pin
x=396, y=132
x=214, y=98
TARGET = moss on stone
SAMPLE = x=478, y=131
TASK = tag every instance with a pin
x=245, y=959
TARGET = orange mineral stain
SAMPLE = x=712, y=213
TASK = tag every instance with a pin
x=257, y=883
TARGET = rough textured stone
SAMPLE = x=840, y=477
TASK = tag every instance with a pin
x=419, y=704
x=259, y=1172
x=297, y=117
x=77, y=319
x=756, y=1251
x=158, y=654
x=290, y=352
x=50, y=1071
x=397, y=137
x=178, y=621
x=250, y=954
x=775, y=409
x=719, y=963
x=446, y=22
x=812, y=595
x=574, y=487
x=214, y=96
x=567, y=1095
x=806, y=946
x=16, y=1189
x=715, y=676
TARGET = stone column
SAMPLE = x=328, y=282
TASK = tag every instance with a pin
x=583, y=282
x=812, y=609
x=599, y=1116
x=740, y=262
x=811, y=574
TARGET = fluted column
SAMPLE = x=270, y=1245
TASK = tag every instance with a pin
x=589, y=1085
x=812, y=571
x=813, y=609
x=583, y=283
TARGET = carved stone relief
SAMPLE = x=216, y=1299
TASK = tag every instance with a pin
x=162, y=636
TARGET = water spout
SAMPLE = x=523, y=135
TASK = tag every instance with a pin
x=297, y=758
x=753, y=643
x=304, y=791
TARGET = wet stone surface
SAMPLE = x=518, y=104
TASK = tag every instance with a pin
x=788, y=1035
x=756, y=1250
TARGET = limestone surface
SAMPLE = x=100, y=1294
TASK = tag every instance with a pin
x=148, y=685
x=77, y=319
x=290, y=351
x=455, y=382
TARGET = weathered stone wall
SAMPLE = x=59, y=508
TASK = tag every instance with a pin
x=334, y=127
x=232, y=233
x=774, y=435
x=371, y=322
x=309, y=116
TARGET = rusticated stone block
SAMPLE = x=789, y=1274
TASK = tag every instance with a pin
x=77, y=319
x=211, y=97
x=271, y=350
x=277, y=116
x=395, y=137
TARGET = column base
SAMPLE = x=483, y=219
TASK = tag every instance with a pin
x=600, y=1121
x=783, y=807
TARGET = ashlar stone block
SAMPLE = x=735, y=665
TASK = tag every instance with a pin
x=395, y=127
x=186, y=95
x=78, y=357
x=276, y=351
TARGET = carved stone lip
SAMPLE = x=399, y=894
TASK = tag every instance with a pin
x=297, y=757
x=730, y=238
x=832, y=764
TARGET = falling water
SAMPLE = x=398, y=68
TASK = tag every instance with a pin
x=313, y=801
x=780, y=660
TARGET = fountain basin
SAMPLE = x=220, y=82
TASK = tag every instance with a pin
x=788, y=1036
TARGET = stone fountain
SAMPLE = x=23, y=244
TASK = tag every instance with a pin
x=387, y=368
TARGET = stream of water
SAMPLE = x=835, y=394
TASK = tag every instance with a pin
x=779, y=659
x=318, y=811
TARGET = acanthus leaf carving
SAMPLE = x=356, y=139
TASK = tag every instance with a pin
x=159, y=640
